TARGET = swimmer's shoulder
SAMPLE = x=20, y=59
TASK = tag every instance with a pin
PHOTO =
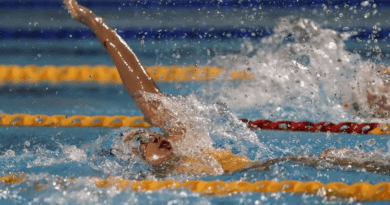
x=214, y=162
x=230, y=162
x=199, y=164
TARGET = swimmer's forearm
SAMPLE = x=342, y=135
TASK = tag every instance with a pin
x=131, y=71
x=133, y=75
x=368, y=166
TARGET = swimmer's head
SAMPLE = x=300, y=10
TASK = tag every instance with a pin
x=370, y=95
x=153, y=147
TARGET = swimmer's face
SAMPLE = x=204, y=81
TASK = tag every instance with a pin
x=153, y=148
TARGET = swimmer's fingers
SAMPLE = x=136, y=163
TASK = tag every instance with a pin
x=77, y=12
x=72, y=6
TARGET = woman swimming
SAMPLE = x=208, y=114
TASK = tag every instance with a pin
x=163, y=151
x=180, y=149
x=370, y=97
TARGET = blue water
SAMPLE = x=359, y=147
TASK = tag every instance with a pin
x=47, y=153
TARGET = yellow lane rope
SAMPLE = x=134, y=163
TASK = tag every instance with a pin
x=71, y=121
x=361, y=191
x=106, y=74
x=101, y=121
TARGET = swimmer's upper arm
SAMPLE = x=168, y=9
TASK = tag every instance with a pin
x=157, y=115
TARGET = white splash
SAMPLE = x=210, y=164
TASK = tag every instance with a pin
x=206, y=124
x=302, y=72
x=377, y=156
x=70, y=153
x=210, y=122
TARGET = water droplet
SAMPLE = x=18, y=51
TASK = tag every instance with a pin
x=371, y=142
x=365, y=3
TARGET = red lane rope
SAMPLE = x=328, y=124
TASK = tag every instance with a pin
x=343, y=127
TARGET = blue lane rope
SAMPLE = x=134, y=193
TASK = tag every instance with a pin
x=168, y=33
x=154, y=4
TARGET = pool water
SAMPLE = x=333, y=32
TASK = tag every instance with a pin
x=304, y=69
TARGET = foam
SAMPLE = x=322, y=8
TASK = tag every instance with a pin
x=377, y=156
x=70, y=153
x=302, y=72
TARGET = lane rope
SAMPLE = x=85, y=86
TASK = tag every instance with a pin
x=71, y=121
x=343, y=127
x=360, y=191
x=106, y=74
x=138, y=121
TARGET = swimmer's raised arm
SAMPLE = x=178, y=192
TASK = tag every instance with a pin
x=133, y=75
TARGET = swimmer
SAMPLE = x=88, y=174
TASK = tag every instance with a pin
x=166, y=152
x=370, y=96
x=159, y=150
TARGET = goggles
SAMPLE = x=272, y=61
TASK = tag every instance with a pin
x=142, y=137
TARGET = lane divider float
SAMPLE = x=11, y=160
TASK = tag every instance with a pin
x=360, y=191
x=106, y=74
x=72, y=121
x=138, y=121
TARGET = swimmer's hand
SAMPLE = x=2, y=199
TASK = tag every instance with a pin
x=76, y=11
